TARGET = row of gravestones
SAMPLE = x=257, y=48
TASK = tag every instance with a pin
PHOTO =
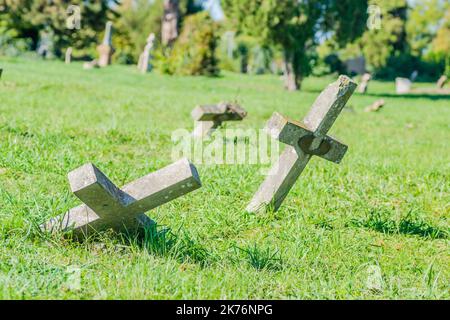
x=402, y=85
x=106, y=206
x=105, y=51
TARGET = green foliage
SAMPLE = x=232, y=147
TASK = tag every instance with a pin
x=194, y=52
x=293, y=25
x=28, y=18
x=345, y=19
x=288, y=24
x=247, y=55
x=424, y=20
x=378, y=45
x=138, y=18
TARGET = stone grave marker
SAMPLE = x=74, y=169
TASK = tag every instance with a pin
x=362, y=88
x=376, y=106
x=441, y=82
x=414, y=75
x=304, y=140
x=90, y=64
x=105, y=50
x=68, y=55
x=402, y=85
x=144, y=58
x=121, y=209
x=210, y=117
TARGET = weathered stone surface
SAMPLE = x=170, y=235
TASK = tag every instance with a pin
x=68, y=55
x=105, y=50
x=304, y=139
x=441, y=82
x=376, y=106
x=144, y=57
x=210, y=117
x=362, y=88
x=121, y=209
x=402, y=85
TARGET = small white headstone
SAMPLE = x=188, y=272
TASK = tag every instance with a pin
x=402, y=85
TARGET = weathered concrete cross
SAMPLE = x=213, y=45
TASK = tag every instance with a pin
x=209, y=118
x=108, y=207
x=304, y=140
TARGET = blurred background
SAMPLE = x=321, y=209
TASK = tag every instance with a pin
x=388, y=38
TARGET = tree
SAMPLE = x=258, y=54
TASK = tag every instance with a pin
x=378, y=45
x=138, y=18
x=170, y=22
x=28, y=18
x=293, y=26
x=423, y=23
x=194, y=52
x=441, y=43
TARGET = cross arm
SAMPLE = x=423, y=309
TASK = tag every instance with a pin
x=92, y=187
x=163, y=185
x=297, y=135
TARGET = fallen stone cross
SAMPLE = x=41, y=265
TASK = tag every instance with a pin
x=304, y=140
x=402, y=85
x=376, y=106
x=362, y=88
x=121, y=209
x=208, y=118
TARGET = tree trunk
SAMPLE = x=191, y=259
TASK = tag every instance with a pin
x=169, y=28
x=292, y=79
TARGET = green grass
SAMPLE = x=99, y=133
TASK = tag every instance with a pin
x=386, y=205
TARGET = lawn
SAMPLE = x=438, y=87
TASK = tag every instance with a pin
x=384, y=208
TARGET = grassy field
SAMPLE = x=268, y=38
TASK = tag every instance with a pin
x=385, y=207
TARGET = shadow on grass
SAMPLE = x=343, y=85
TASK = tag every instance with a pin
x=411, y=224
x=162, y=241
x=412, y=95
x=430, y=96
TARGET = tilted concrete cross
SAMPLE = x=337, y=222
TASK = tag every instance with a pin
x=108, y=207
x=303, y=139
x=208, y=118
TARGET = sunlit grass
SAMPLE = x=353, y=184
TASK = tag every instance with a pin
x=386, y=204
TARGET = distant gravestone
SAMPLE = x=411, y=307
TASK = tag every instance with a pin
x=304, y=140
x=362, y=88
x=46, y=43
x=376, y=106
x=105, y=49
x=230, y=43
x=108, y=207
x=356, y=65
x=144, y=58
x=402, y=85
x=414, y=75
x=68, y=55
x=210, y=117
x=441, y=82
x=90, y=65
